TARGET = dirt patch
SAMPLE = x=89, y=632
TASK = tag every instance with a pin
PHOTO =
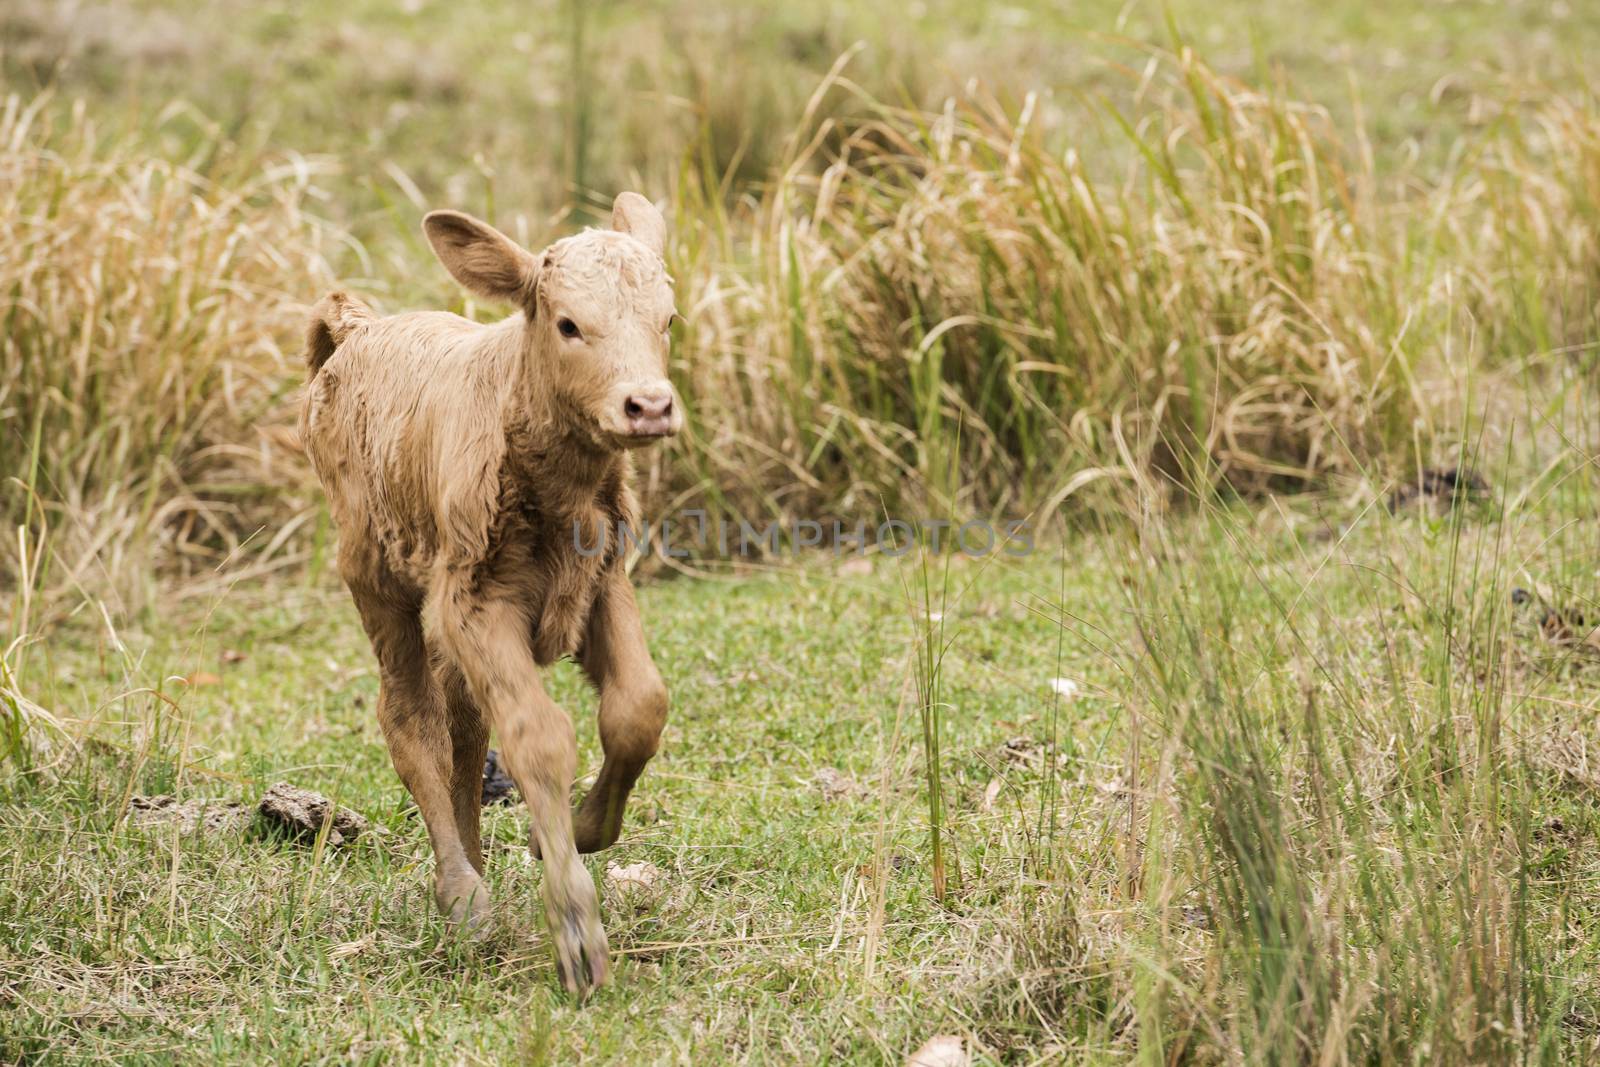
x=1439, y=486
x=209, y=816
x=1559, y=624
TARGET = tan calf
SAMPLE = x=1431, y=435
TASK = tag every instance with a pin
x=465, y=464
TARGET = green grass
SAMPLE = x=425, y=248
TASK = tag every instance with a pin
x=772, y=680
x=1359, y=735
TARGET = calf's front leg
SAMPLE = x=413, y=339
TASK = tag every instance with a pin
x=487, y=640
x=633, y=710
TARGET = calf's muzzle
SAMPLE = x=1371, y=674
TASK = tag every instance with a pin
x=651, y=412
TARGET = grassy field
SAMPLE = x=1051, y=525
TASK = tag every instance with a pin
x=1322, y=785
x=1250, y=761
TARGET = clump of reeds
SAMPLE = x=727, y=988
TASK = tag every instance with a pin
x=1233, y=295
x=149, y=352
x=1238, y=294
x=1344, y=797
x=1524, y=229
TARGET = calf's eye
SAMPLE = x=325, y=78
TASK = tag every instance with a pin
x=568, y=328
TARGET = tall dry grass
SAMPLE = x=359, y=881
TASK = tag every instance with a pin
x=1526, y=221
x=149, y=350
x=1233, y=296
x=1237, y=297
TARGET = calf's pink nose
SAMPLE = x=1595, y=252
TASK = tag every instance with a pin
x=649, y=413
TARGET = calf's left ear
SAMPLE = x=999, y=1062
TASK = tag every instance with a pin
x=637, y=217
x=482, y=258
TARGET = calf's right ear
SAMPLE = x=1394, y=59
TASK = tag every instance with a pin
x=480, y=257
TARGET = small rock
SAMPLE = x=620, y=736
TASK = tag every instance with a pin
x=634, y=877
x=498, y=788
x=835, y=783
x=1065, y=687
x=637, y=885
x=945, y=1050
x=302, y=813
x=1020, y=751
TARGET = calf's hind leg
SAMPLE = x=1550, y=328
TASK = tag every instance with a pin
x=469, y=735
x=487, y=640
x=411, y=712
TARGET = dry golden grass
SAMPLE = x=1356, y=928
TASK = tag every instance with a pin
x=1240, y=300
x=149, y=350
x=916, y=302
x=1229, y=298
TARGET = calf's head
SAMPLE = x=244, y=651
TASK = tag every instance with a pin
x=597, y=313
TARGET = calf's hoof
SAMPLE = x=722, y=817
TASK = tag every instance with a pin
x=583, y=958
x=464, y=903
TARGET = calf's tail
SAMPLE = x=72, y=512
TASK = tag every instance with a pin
x=335, y=318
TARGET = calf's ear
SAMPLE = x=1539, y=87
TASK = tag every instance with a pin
x=637, y=217
x=480, y=257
